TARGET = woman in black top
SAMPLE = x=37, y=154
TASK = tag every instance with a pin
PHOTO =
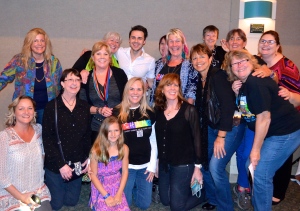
x=74, y=133
x=138, y=122
x=104, y=87
x=179, y=145
x=221, y=138
x=275, y=121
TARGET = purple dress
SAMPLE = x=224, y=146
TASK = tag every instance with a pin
x=110, y=178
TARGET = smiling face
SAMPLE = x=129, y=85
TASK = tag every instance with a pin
x=210, y=38
x=269, y=47
x=114, y=132
x=175, y=45
x=171, y=90
x=101, y=58
x=163, y=47
x=236, y=42
x=201, y=62
x=113, y=43
x=241, y=67
x=71, y=84
x=135, y=93
x=137, y=40
x=24, y=111
x=38, y=46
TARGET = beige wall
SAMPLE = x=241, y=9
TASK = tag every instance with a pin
x=73, y=25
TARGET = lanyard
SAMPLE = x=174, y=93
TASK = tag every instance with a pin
x=103, y=95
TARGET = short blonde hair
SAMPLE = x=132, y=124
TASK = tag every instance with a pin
x=96, y=47
x=238, y=54
x=115, y=35
x=179, y=34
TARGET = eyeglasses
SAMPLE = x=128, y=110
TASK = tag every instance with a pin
x=239, y=63
x=270, y=42
x=73, y=80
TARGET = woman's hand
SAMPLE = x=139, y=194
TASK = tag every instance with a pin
x=284, y=92
x=84, y=76
x=106, y=111
x=254, y=157
x=197, y=175
x=87, y=166
x=150, y=176
x=262, y=72
x=118, y=198
x=236, y=85
x=219, y=150
x=224, y=45
x=110, y=202
x=26, y=198
x=66, y=172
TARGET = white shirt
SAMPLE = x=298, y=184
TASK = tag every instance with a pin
x=143, y=66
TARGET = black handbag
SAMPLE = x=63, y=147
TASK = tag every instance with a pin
x=213, y=106
x=76, y=167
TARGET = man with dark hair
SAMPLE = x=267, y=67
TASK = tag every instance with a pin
x=133, y=60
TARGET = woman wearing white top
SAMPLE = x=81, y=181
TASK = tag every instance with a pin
x=21, y=159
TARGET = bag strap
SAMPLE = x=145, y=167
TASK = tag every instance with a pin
x=56, y=130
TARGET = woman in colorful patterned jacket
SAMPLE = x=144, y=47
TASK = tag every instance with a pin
x=35, y=70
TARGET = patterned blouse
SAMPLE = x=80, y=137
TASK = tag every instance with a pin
x=24, y=83
x=21, y=165
x=188, y=77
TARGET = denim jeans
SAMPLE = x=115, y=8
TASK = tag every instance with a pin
x=274, y=151
x=39, y=116
x=138, y=187
x=217, y=185
x=62, y=193
x=242, y=155
x=174, y=188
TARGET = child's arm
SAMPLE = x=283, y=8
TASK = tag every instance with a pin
x=125, y=162
x=94, y=169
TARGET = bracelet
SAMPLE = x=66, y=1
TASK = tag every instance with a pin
x=97, y=110
x=198, y=166
x=221, y=136
x=106, y=196
x=272, y=74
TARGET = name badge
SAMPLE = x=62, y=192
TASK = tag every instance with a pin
x=139, y=133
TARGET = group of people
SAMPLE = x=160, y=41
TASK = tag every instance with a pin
x=123, y=119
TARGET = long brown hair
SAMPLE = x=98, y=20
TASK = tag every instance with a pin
x=160, y=98
x=100, y=147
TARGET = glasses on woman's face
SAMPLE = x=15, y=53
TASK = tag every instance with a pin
x=270, y=42
x=236, y=64
x=71, y=80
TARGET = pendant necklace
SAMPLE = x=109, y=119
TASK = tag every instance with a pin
x=68, y=101
x=44, y=73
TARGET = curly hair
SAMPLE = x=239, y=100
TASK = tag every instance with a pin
x=29, y=39
x=160, y=98
x=99, y=150
x=238, y=54
x=11, y=117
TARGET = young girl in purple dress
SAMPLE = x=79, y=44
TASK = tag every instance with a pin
x=108, y=155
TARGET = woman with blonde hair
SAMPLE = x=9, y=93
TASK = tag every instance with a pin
x=108, y=156
x=275, y=121
x=177, y=62
x=36, y=71
x=138, y=121
x=104, y=87
x=22, y=159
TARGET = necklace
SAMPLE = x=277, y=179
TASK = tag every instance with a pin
x=176, y=68
x=68, y=101
x=40, y=80
x=37, y=69
x=132, y=110
x=203, y=79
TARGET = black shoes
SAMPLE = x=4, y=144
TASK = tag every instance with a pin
x=208, y=206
